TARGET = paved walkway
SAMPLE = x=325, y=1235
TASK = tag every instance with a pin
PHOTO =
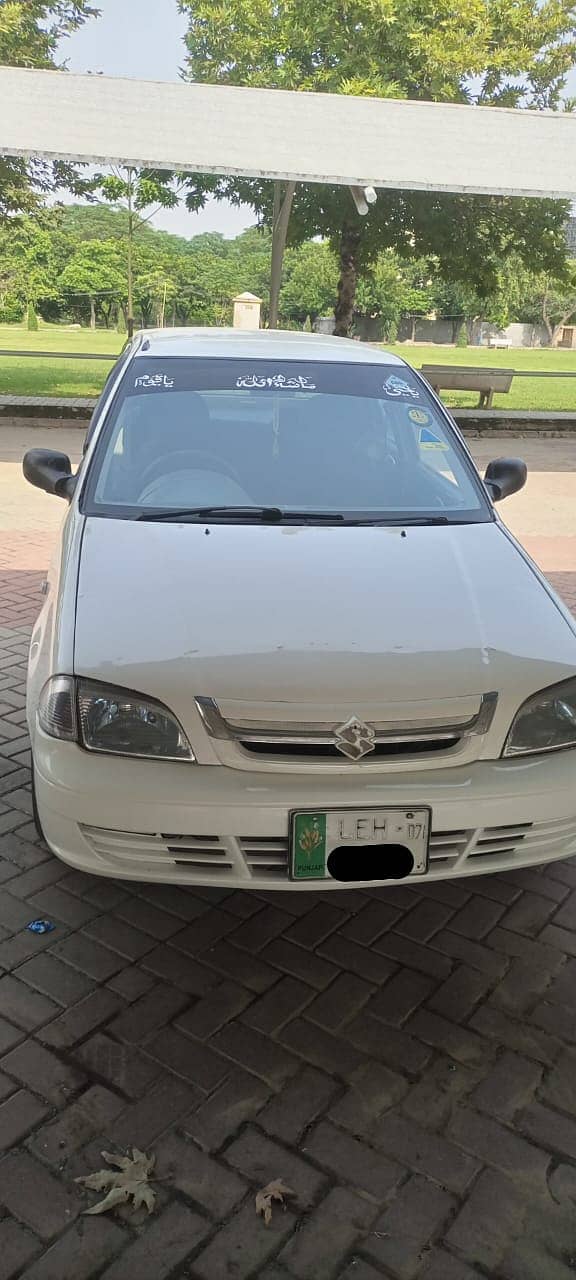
x=405, y=1060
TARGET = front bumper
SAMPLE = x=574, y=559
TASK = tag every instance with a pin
x=186, y=824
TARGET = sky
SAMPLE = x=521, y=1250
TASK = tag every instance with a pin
x=143, y=39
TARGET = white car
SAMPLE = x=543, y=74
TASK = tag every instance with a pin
x=287, y=642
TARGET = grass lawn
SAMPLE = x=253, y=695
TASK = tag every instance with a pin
x=27, y=377
x=525, y=393
x=23, y=376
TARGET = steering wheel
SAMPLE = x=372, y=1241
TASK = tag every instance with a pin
x=369, y=448
x=187, y=460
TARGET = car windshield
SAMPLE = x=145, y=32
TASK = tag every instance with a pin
x=359, y=441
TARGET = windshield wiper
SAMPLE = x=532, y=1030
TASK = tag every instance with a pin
x=268, y=515
x=401, y=523
x=264, y=513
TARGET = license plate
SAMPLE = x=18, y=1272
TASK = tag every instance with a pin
x=377, y=833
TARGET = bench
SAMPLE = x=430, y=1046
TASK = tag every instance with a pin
x=499, y=340
x=454, y=377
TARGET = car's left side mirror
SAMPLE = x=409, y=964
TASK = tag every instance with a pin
x=50, y=471
x=505, y=476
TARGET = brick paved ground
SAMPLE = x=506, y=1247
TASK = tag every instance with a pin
x=404, y=1060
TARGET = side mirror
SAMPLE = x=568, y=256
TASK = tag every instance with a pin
x=50, y=471
x=505, y=476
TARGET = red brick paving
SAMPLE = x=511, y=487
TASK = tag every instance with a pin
x=404, y=1060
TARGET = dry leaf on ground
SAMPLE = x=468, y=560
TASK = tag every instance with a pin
x=276, y=1190
x=129, y=1182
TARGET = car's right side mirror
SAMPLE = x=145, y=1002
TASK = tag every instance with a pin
x=505, y=476
x=50, y=471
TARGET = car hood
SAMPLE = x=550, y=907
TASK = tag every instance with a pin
x=348, y=619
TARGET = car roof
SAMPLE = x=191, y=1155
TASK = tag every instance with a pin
x=259, y=344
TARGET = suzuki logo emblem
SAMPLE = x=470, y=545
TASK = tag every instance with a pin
x=354, y=738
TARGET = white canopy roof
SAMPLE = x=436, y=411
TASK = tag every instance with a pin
x=305, y=137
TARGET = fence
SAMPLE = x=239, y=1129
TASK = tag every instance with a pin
x=62, y=355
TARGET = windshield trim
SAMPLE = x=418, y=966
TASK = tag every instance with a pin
x=85, y=493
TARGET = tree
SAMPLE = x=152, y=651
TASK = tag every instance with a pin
x=380, y=294
x=96, y=221
x=133, y=191
x=417, y=279
x=95, y=272
x=30, y=32
x=513, y=53
x=552, y=302
x=460, y=304
x=28, y=264
x=214, y=270
x=31, y=318
x=311, y=279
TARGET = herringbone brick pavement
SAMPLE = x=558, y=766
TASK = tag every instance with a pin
x=405, y=1060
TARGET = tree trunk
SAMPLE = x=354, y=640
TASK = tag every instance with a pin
x=554, y=330
x=344, y=310
x=283, y=200
x=92, y=314
x=556, y=334
x=412, y=329
x=549, y=327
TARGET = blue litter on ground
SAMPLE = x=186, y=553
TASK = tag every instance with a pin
x=40, y=926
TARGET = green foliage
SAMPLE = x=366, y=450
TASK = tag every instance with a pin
x=518, y=51
x=552, y=301
x=311, y=280
x=30, y=32
x=391, y=289
x=143, y=187
x=462, y=336
x=28, y=260
x=31, y=318
x=57, y=262
x=509, y=53
x=94, y=221
x=95, y=269
x=10, y=309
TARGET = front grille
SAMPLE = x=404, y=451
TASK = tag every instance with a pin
x=500, y=840
x=265, y=856
x=319, y=751
x=451, y=847
x=206, y=853
x=294, y=741
x=448, y=846
x=195, y=859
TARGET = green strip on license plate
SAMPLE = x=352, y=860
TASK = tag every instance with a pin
x=309, y=846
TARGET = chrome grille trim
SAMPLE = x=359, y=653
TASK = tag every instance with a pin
x=299, y=734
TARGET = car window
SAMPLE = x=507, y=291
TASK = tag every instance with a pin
x=99, y=409
x=330, y=436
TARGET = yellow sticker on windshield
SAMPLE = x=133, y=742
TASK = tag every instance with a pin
x=419, y=416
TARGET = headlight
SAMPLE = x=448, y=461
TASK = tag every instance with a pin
x=114, y=721
x=545, y=722
x=57, y=709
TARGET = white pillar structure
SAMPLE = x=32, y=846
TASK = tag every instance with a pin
x=247, y=311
